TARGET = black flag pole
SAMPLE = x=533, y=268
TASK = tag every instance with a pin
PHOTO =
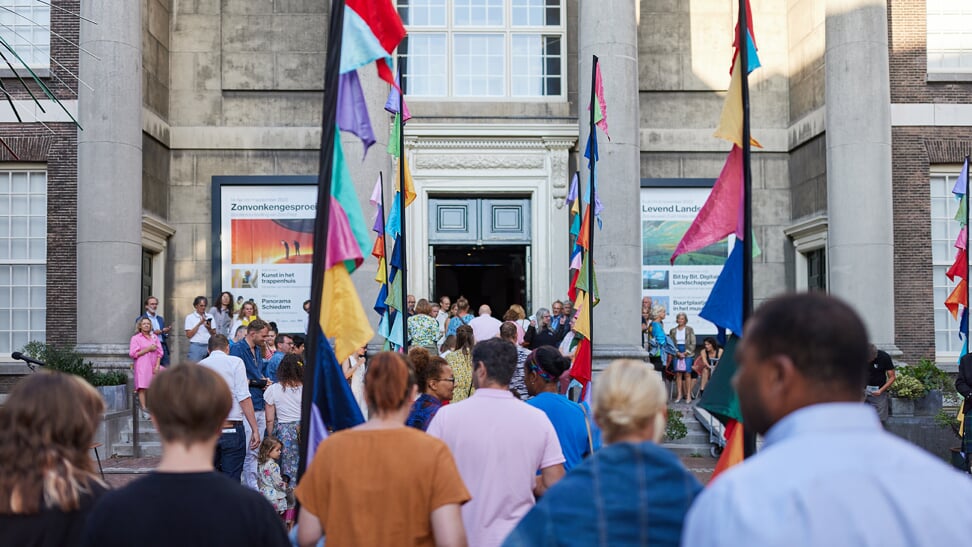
x=401, y=204
x=328, y=125
x=968, y=283
x=749, y=436
x=591, y=200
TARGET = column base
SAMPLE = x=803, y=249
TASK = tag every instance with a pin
x=106, y=356
x=604, y=354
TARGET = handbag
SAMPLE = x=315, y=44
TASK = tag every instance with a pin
x=681, y=365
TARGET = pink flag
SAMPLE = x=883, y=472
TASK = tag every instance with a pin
x=600, y=115
x=722, y=213
x=960, y=240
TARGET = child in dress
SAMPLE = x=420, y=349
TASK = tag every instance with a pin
x=271, y=483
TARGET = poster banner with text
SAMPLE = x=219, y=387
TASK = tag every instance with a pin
x=666, y=214
x=267, y=241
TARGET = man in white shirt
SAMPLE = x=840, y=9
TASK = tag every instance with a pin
x=485, y=326
x=199, y=327
x=828, y=473
x=231, y=446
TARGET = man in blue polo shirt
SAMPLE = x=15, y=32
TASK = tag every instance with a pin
x=250, y=350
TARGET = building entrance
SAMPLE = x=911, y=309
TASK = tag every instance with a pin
x=480, y=249
x=493, y=275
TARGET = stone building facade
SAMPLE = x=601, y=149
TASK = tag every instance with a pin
x=859, y=134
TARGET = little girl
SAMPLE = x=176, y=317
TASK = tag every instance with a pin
x=272, y=485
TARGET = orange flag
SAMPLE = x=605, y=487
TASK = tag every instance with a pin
x=733, y=451
x=959, y=297
x=731, y=122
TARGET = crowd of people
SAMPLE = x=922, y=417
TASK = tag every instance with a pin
x=500, y=466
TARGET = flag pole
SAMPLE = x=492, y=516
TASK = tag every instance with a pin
x=590, y=204
x=401, y=205
x=749, y=436
x=326, y=167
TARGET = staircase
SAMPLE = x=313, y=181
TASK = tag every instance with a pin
x=148, y=440
x=696, y=442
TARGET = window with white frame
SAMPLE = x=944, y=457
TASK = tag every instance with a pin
x=949, y=35
x=25, y=25
x=23, y=258
x=483, y=48
x=944, y=231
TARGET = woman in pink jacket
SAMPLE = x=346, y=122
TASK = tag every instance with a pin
x=146, y=350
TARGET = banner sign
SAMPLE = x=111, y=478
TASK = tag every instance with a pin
x=266, y=244
x=666, y=214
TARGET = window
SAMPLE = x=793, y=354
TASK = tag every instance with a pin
x=483, y=48
x=949, y=28
x=25, y=25
x=23, y=258
x=944, y=231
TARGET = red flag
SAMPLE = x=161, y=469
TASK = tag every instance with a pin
x=960, y=266
x=732, y=453
x=580, y=370
x=722, y=213
x=583, y=237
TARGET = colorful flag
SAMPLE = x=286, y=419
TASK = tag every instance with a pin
x=720, y=399
x=731, y=121
x=961, y=183
x=732, y=452
x=724, y=307
x=372, y=30
x=352, y=110
x=958, y=297
x=600, y=113
x=722, y=213
x=960, y=267
x=395, y=98
x=333, y=405
x=581, y=368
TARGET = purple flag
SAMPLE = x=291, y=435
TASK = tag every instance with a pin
x=352, y=110
x=391, y=105
x=572, y=193
x=963, y=179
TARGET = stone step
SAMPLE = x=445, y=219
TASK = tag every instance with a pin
x=149, y=448
x=689, y=449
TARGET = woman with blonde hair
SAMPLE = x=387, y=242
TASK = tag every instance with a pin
x=422, y=490
x=248, y=313
x=684, y=338
x=517, y=315
x=48, y=483
x=632, y=491
x=146, y=350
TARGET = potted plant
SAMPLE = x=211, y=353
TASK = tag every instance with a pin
x=904, y=391
x=935, y=381
x=111, y=384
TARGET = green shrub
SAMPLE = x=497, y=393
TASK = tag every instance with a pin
x=928, y=373
x=71, y=362
x=675, y=428
x=908, y=387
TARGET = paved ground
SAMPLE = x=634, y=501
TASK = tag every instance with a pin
x=119, y=471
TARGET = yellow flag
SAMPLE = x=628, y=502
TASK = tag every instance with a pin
x=583, y=323
x=342, y=316
x=731, y=122
x=409, y=185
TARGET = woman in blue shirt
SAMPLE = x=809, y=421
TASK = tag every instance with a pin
x=544, y=367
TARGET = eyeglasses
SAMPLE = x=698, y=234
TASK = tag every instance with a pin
x=453, y=380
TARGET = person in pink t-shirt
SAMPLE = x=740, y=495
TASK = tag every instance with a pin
x=499, y=444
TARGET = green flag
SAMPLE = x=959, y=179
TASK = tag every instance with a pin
x=720, y=398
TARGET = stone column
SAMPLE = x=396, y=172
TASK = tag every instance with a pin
x=858, y=97
x=609, y=30
x=109, y=181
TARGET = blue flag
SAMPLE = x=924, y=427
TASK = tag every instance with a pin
x=725, y=304
x=332, y=399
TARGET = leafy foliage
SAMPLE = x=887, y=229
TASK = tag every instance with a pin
x=675, y=428
x=908, y=387
x=930, y=376
x=70, y=361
